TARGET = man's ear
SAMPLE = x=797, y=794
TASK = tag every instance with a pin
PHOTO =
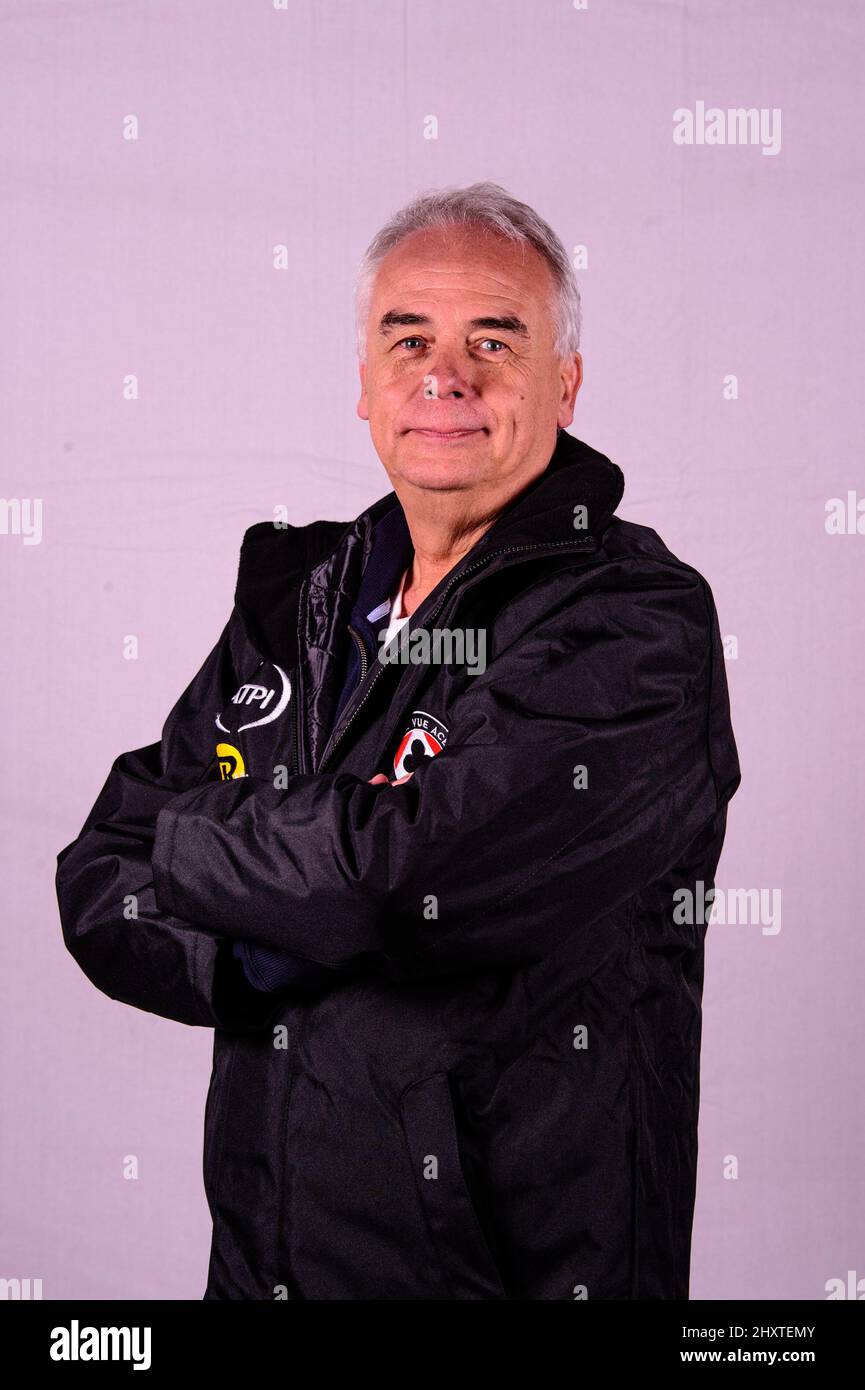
x=571, y=377
x=362, y=407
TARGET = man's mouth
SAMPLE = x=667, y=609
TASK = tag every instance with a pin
x=448, y=436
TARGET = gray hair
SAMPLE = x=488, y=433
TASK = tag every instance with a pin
x=485, y=205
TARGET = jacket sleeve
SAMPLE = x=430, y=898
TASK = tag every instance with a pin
x=112, y=924
x=500, y=846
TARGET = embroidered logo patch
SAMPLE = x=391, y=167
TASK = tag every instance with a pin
x=257, y=702
x=230, y=760
x=424, y=737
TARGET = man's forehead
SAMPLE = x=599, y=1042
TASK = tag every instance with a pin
x=462, y=260
x=490, y=282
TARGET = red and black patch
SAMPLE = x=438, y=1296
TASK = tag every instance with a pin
x=424, y=737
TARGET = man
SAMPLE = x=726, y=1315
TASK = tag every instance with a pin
x=431, y=905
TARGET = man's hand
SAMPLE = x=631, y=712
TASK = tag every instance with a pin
x=380, y=777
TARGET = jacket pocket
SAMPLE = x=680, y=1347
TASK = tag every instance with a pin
x=430, y=1131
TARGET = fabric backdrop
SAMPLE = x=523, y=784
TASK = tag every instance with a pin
x=169, y=377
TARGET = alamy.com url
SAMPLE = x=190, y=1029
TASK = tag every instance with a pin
x=742, y=1354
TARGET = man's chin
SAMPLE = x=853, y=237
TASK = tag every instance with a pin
x=442, y=464
x=434, y=476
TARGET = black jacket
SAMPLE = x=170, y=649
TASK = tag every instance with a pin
x=493, y=1092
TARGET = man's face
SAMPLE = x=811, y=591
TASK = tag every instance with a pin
x=462, y=387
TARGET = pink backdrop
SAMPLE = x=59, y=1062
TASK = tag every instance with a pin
x=305, y=127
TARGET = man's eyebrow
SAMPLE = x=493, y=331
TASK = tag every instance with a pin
x=508, y=324
x=395, y=319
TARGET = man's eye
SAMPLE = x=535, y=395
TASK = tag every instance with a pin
x=491, y=343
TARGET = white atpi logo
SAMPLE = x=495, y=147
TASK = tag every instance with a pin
x=248, y=694
x=425, y=737
x=259, y=697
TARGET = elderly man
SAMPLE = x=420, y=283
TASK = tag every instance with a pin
x=432, y=907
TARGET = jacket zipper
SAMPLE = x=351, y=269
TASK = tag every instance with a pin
x=479, y=564
x=364, y=659
x=298, y=698
x=297, y=724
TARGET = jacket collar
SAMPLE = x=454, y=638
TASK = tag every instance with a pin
x=547, y=511
x=337, y=556
x=576, y=476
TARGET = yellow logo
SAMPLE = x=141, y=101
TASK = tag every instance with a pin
x=230, y=762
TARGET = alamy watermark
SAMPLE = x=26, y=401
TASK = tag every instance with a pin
x=77, y=1343
x=21, y=516
x=740, y=125
x=729, y=907
x=437, y=646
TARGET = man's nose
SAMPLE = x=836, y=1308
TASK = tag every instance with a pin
x=447, y=376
